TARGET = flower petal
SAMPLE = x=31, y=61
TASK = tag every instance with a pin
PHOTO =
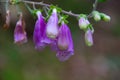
x=66, y=53
x=63, y=37
x=52, y=25
x=39, y=37
x=20, y=35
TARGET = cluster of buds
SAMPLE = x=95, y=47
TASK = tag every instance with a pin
x=85, y=25
x=100, y=16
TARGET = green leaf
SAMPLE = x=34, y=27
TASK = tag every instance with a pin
x=102, y=0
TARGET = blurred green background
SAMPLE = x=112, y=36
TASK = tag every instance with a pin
x=99, y=62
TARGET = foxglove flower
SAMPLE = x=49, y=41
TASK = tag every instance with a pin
x=89, y=37
x=39, y=37
x=64, y=43
x=20, y=35
x=7, y=22
x=52, y=25
x=83, y=23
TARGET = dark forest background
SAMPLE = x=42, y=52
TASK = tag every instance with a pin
x=99, y=62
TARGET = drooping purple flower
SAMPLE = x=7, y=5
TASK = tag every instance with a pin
x=52, y=25
x=64, y=43
x=89, y=37
x=63, y=38
x=20, y=35
x=39, y=36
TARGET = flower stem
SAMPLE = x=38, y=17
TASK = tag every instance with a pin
x=95, y=5
x=94, y=8
x=29, y=9
x=47, y=5
x=63, y=11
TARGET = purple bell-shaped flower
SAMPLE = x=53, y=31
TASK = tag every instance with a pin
x=64, y=43
x=39, y=36
x=20, y=35
x=52, y=25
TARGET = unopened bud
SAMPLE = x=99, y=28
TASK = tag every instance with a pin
x=105, y=17
x=96, y=16
x=88, y=38
x=83, y=23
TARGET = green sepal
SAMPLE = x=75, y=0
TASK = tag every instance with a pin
x=58, y=9
x=90, y=27
x=51, y=9
x=34, y=12
x=82, y=15
x=49, y=14
x=63, y=18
